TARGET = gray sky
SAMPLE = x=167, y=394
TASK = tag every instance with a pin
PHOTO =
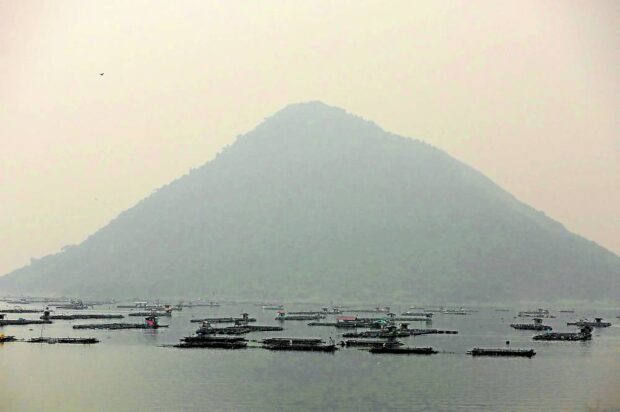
x=528, y=92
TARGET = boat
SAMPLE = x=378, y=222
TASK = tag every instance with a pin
x=83, y=341
x=598, y=323
x=584, y=334
x=537, y=325
x=567, y=311
x=528, y=353
x=402, y=350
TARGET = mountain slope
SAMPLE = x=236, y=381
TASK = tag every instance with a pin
x=317, y=203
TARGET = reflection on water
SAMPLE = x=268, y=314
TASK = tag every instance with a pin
x=130, y=371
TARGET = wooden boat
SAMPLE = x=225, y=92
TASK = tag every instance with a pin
x=528, y=353
x=402, y=351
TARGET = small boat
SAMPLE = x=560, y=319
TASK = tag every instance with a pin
x=528, y=353
x=74, y=305
x=402, y=351
x=567, y=311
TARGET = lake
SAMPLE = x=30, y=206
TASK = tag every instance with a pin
x=131, y=371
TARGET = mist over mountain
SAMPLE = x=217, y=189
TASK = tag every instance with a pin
x=316, y=203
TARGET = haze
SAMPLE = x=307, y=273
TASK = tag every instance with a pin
x=526, y=92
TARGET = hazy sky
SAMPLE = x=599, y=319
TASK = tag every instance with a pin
x=526, y=92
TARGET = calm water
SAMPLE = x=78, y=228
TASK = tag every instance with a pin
x=130, y=371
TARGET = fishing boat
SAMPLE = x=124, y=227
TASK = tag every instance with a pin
x=152, y=313
x=82, y=316
x=528, y=353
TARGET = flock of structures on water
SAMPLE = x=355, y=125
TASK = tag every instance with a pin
x=377, y=334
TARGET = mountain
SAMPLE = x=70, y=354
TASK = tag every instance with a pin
x=316, y=203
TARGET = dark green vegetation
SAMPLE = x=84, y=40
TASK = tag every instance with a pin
x=318, y=204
